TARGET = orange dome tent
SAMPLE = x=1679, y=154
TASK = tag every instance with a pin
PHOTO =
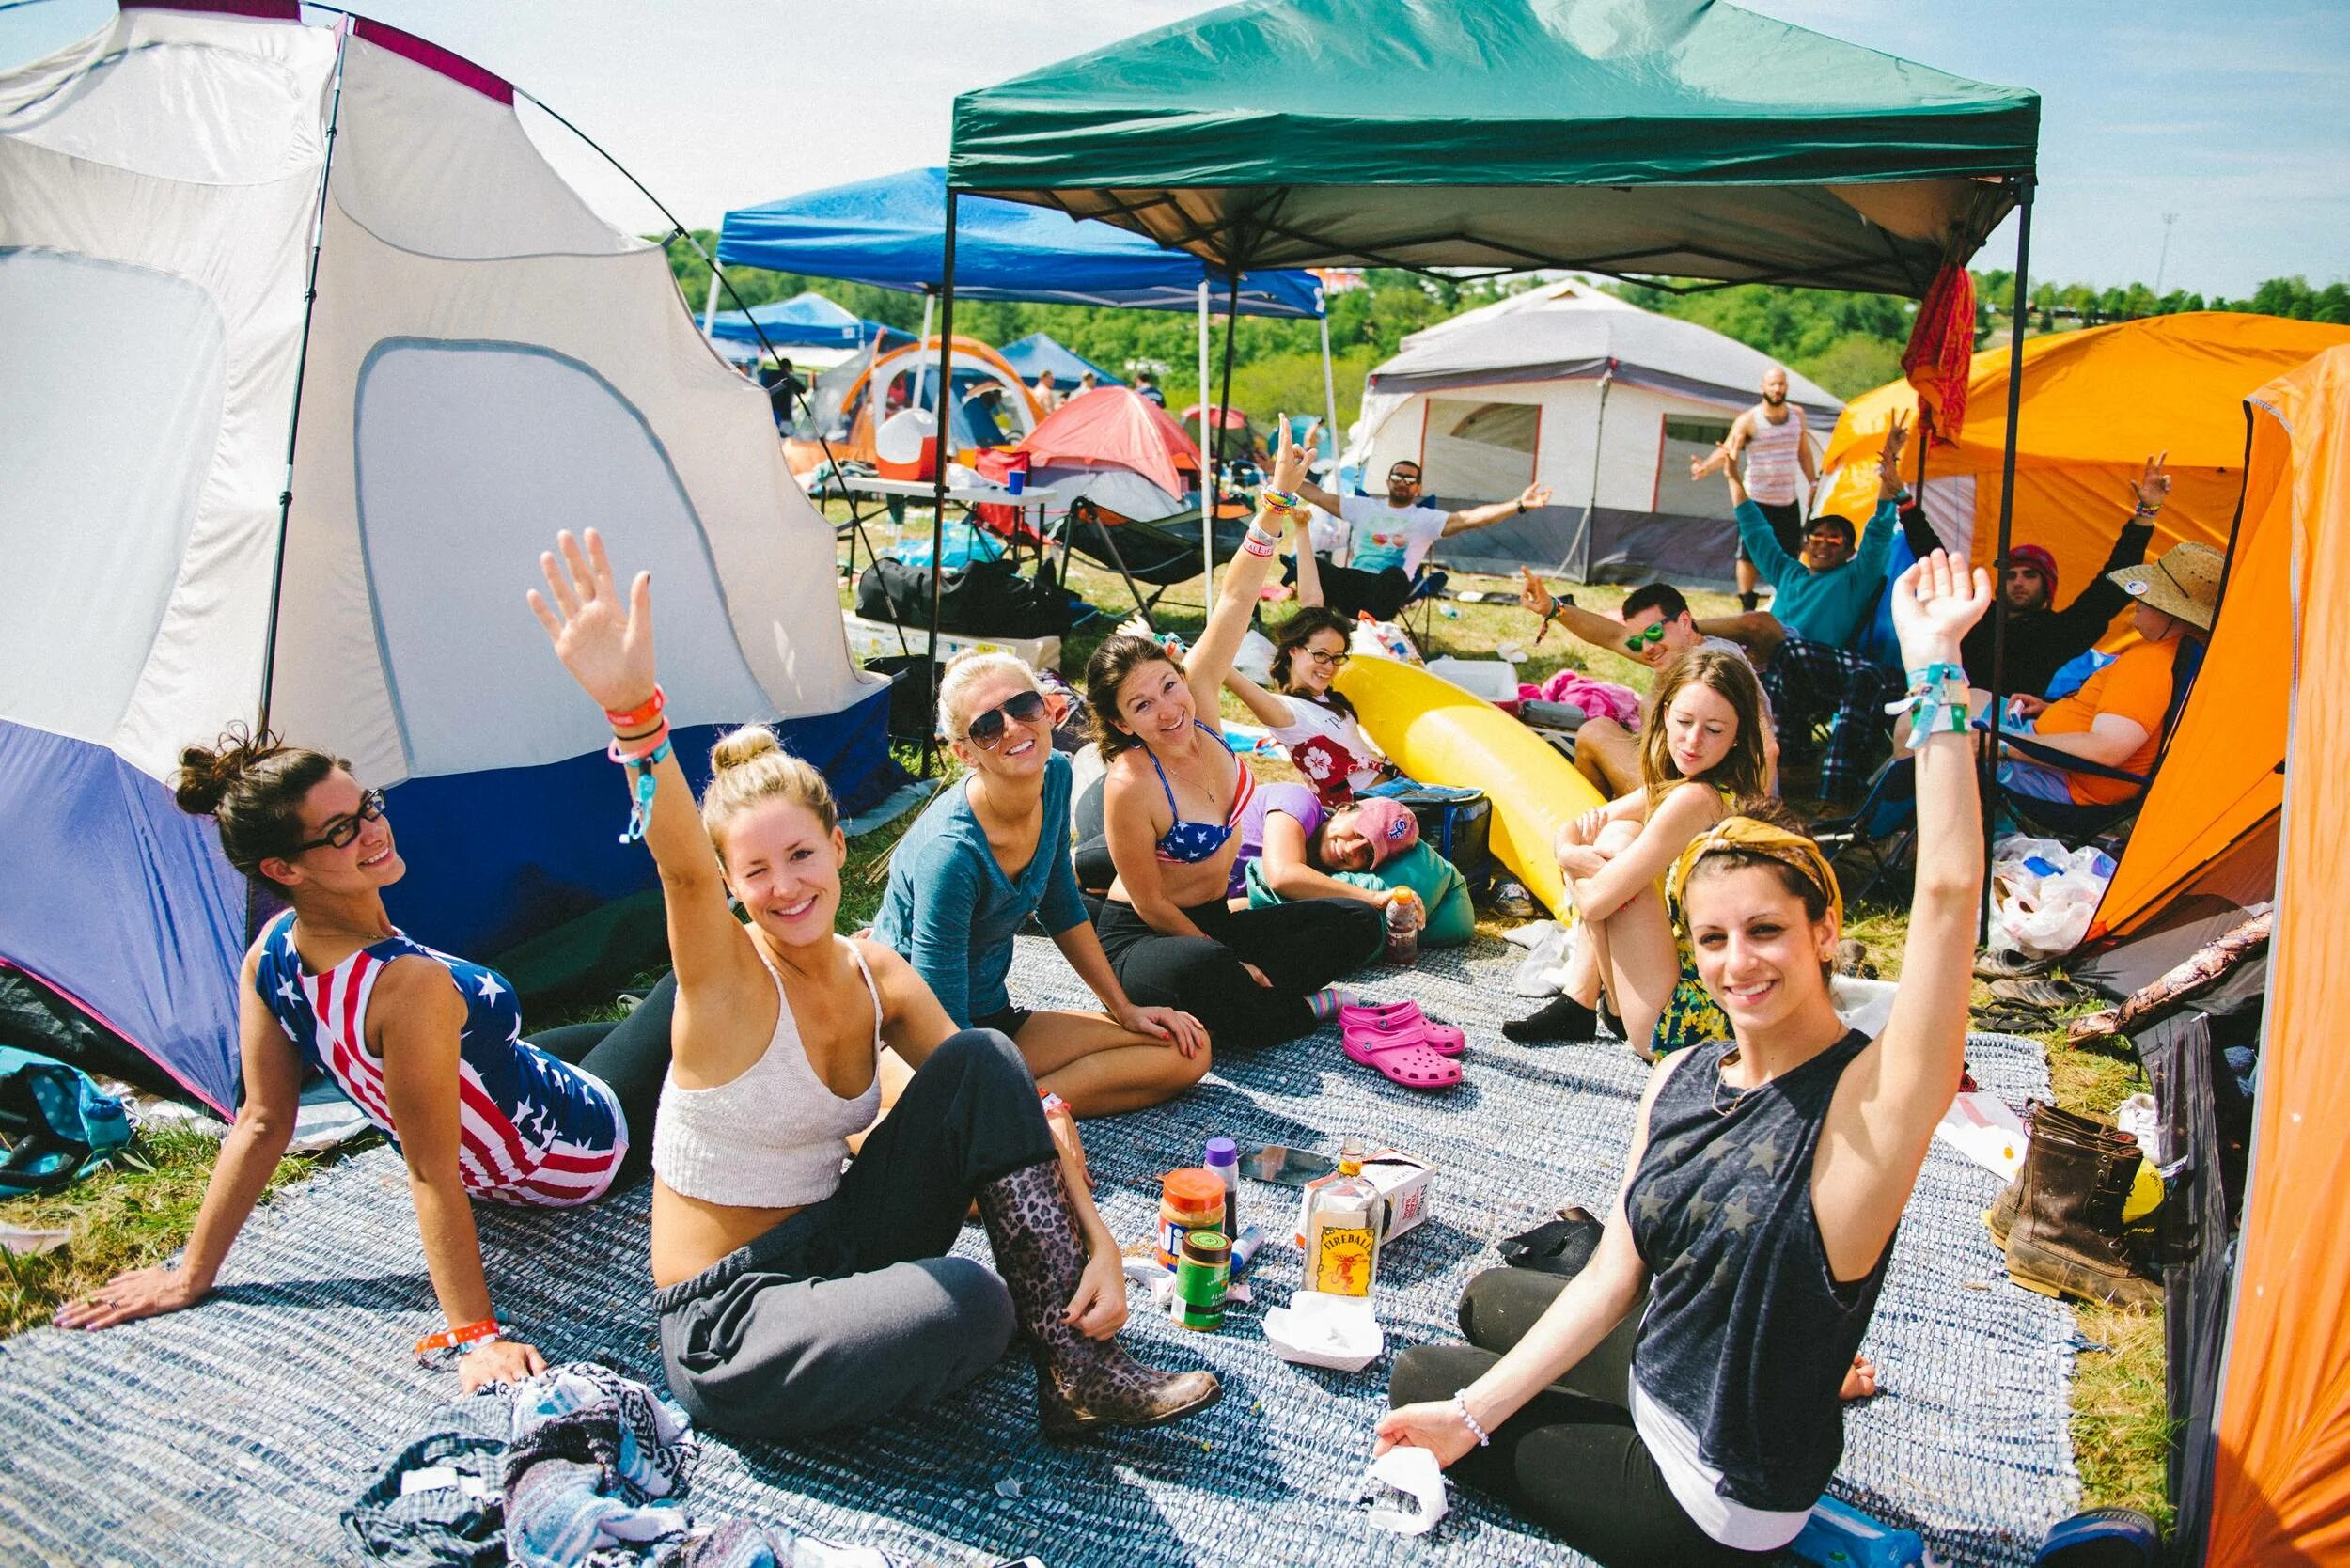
x=892, y=378
x=2097, y=404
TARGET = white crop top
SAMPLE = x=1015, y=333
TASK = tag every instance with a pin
x=774, y=1135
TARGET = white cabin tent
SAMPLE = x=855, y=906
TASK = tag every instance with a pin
x=1605, y=402
x=487, y=361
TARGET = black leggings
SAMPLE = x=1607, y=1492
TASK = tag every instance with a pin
x=632, y=1057
x=1300, y=947
x=1570, y=1457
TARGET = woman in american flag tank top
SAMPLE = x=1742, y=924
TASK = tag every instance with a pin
x=429, y=1047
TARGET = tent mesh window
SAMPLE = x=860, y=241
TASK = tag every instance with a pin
x=1677, y=494
x=1480, y=451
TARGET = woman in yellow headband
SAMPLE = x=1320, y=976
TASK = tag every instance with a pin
x=1695, y=1365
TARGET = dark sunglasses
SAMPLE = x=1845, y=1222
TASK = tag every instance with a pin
x=346, y=831
x=987, y=730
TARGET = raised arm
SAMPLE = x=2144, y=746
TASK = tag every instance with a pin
x=1598, y=630
x=1726, y=450
x=1309, y=564
x=2084, y=620
x=1210, y=657
x=1486, y=516
x=1888, y=1102
x=607, y=644
x=1755, y=535
x=1271, y=708
x=249, y=1155
x=1876, y=541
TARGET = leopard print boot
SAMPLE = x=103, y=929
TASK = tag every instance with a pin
x=1080, y=1383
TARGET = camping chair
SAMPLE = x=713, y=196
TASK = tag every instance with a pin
x=1885, y=823
x=1142, y=552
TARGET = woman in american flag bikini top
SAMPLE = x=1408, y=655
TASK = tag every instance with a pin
x=430, y=1047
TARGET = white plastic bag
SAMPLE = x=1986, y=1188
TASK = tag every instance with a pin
x=1382, y=639
x=2044, y=895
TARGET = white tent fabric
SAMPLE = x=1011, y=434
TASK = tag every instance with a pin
x=489, y=361
x=1605, y=402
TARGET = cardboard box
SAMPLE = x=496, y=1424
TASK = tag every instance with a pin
x=1402, y=1183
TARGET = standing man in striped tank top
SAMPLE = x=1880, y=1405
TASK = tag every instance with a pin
x=1770, y=437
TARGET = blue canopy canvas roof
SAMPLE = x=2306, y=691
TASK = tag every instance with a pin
x=1039, y=352
x=891, y=233
x=804, y=320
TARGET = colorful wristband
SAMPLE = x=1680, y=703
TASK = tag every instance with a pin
x=643, y=786
x=638, y=749
x=644, y=712
x=1279, y=500
x=464, y=1339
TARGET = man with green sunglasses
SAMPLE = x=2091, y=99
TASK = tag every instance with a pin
x=1657, y=627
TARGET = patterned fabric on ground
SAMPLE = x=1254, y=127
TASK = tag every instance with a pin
x=596, y=1467
x=233, y=1432
x=462, y=1522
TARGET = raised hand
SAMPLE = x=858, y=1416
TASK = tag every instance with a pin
x=606, y=645
x=1935, y=602
x=1534, y=495
x=1890, y=460
x=1292, y=459
x=2152, y=487
x=1534, y=594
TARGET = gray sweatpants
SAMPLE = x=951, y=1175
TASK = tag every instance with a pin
x=849, y=1309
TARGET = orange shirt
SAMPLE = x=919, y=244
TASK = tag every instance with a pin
x=2136, y=686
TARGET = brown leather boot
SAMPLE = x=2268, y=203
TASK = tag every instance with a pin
x=2043, y=1119
x=1080, y=1383
x=2066, y=1239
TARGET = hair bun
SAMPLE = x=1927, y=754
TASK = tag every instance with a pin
x=206, y=772
x=740, y=746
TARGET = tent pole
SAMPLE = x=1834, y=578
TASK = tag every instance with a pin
x=709, y=306
x=1582, y=546
x=302, y=363
x=2007, y=524
x=1223, y=402
x=1329, y=386
x=930, y=298
x=942, y=404
x=1207, y=477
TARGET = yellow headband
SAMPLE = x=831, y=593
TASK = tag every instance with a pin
x=1756, y=837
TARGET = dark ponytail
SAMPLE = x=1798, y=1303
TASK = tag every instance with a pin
x=253, y=786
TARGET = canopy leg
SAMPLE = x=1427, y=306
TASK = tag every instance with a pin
x=938, y=471
x=2007, y=525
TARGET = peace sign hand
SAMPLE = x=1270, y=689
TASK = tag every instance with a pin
x=1292, y=459
x=608, y=647
x=2152, y=487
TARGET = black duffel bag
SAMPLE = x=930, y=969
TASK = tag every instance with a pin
x=984, y=599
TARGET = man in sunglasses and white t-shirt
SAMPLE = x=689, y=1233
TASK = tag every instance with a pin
x=1657, y=627
x=1386, y=540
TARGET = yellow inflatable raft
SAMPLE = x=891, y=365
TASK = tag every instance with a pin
x=1441, y=734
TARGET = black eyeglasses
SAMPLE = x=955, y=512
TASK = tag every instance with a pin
x=345, y=832
x=987, y=730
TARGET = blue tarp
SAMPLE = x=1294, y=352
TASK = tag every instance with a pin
x=890, y=234
x=1038, y=353
x=804, y=320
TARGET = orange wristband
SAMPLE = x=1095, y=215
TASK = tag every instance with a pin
x=458, y=1339
x=644, y=712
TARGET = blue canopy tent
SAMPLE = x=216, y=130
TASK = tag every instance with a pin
x=1039, y=352
x=894, y=233
x=804, y=320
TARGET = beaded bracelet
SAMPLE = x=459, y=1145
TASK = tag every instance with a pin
x=643, y=783
x=1937, y=703
x=644, y=712
x=1279, y=500
x=1460, y=1408
x=2142, y=510
x=431, y=1346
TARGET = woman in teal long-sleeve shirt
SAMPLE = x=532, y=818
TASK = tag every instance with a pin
x=994, y=849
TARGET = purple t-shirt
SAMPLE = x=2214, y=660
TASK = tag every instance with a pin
x=1290, y=800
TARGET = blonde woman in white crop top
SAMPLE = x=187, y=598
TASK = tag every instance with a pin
x=794, y=1297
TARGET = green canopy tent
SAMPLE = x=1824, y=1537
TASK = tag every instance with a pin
x=1670, y=140
x=1674, y=138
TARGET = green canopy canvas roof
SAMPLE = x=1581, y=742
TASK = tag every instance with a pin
x=1637, y=138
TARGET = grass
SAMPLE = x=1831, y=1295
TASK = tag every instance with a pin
x=136, y=1213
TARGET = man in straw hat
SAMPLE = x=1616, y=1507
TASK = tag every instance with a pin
x=2116, y=718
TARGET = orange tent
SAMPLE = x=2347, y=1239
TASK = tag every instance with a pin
x=906, y=363
x=2097, y=404
x=2282, y=1475
x=1115, y=427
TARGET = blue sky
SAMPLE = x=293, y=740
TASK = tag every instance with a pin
x=2230, y=116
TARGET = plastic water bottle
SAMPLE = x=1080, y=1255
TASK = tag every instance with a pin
x=1405, y=919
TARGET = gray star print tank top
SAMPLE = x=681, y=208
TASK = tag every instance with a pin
x=1747, y=1337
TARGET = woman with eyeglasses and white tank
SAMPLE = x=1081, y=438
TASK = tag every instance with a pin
x=1309, y=717
x=986, y=854
x=429, y=1048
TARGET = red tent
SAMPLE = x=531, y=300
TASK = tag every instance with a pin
x=1112, y=427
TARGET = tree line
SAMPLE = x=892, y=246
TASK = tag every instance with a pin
x=1846, y=343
